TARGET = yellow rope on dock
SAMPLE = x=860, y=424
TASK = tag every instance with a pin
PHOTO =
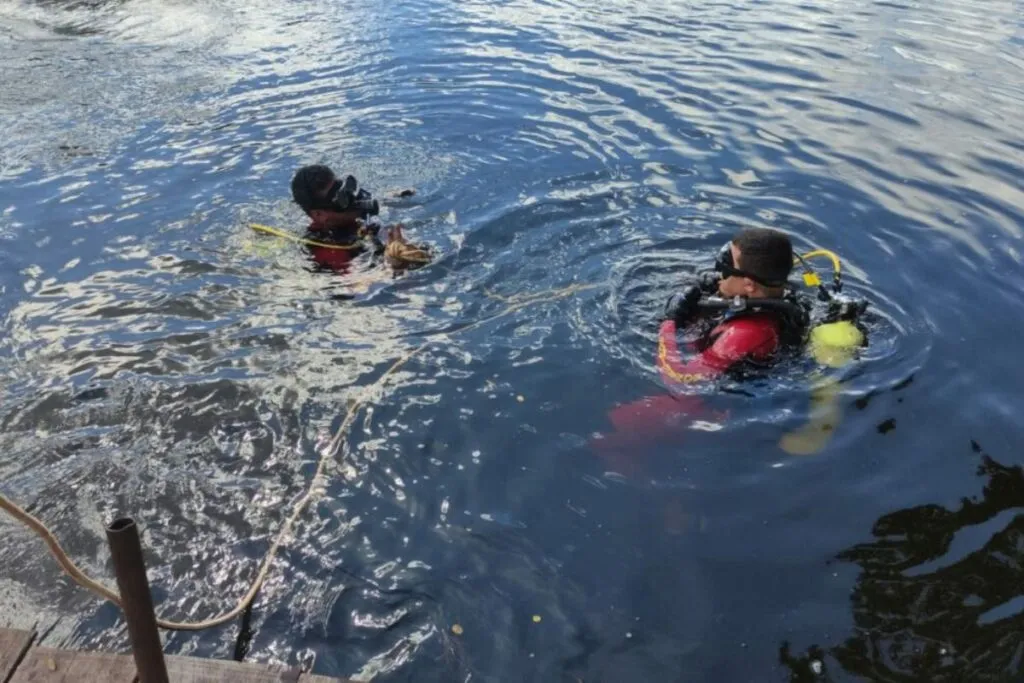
x=332, y=449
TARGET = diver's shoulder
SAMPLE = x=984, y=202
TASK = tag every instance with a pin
x=758, y=323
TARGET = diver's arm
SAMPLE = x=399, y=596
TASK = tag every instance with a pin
x=674, y=369
x=680, y=310
x=738, y=340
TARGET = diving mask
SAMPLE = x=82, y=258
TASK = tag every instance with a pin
x=346, y=196
x=725, y=265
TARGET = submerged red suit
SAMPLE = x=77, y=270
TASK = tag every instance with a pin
x=334, y=249
x=750, y=337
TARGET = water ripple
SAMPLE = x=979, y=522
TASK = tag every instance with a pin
x=158, y=360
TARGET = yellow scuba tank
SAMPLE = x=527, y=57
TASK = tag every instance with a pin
x=833, y=344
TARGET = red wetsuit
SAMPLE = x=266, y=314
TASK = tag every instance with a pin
x=330, y=256
x=750, y=337
x=754, y=336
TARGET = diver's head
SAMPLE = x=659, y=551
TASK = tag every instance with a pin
x=329, y=202
x=311, y=189
x=755, y=264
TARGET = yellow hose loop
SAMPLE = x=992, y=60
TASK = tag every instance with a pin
x=831, y=255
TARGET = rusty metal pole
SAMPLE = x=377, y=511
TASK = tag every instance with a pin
x=137, y=601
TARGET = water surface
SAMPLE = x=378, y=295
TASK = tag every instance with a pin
x=158, y=359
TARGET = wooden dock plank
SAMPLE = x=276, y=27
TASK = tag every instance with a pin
x=20, y=663
x=190, y=670
x=46, y=665
x=13, y=646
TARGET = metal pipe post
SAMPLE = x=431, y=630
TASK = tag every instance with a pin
x=136, y=600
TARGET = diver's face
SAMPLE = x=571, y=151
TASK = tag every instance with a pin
x=736, y=285
x=329, y=219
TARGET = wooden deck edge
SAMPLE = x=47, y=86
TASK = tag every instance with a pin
x=21, y=662
x=14, y=645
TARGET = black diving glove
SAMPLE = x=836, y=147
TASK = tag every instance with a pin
x=682, y=306
x=371, y=232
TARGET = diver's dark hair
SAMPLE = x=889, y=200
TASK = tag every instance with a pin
x=307, y=182
x=768, y=254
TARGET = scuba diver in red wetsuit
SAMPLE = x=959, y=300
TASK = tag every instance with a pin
x=753, y=268
x=754, y=318
x=339, y=211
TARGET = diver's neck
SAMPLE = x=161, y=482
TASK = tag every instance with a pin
x=773, y=293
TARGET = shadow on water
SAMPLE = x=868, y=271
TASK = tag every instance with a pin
x=938, y=595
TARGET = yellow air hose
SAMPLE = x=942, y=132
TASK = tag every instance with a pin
x=284, y=234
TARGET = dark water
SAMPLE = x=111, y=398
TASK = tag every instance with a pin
x=157, y=359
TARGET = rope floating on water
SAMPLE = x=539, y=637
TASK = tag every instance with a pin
x=284, y=234
x=332, y=449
